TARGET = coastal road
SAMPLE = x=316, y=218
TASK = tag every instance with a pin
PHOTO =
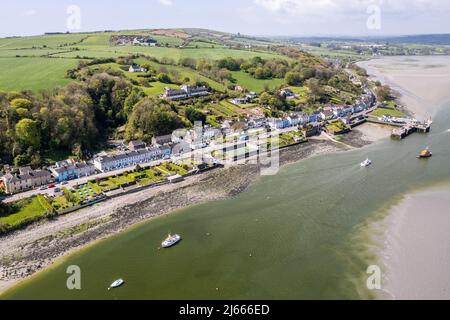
x=76, y=182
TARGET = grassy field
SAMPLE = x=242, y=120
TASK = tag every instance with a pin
x=387, y=112
x=25, y=62
x=245, y=80
x=33, y=73
x=27, y=210
x=156, y=88
x=224, y=109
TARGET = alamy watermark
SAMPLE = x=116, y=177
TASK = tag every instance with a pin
x=374, y=280
x=74, y=280
x=374, y=20
x=73, y=22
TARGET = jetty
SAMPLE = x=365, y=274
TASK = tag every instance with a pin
x=403, y=126
x=421, y=127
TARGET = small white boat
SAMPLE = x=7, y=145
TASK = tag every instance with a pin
x=366, y=163
x=116, y=284
x=171, y=241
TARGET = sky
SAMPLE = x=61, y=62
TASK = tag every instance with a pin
x=250, y=17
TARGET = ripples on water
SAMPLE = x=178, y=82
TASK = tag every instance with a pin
x=306, y=233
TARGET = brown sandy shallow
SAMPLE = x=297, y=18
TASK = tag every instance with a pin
x=25, y=252
x=423, y=82
x=416, y=251
x=414, y=246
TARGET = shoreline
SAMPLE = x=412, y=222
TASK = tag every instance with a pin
x=410, y=237
x=27, y=252
x=417, y=241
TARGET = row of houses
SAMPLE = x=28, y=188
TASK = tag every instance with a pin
x=185, y=92
x=131, y=158
x=124, y=40
x=249, y=97
x=345, y=113
x=25, y=179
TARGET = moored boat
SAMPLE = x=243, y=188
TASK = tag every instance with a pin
x=171, y=241
x=366, y=163
x=116, y=284
x=425, y=154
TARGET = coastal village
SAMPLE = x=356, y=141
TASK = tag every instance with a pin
x=135, y=165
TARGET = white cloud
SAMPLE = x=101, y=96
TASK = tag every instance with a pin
x=336, y=7
x=29, y=13
x=167, y=3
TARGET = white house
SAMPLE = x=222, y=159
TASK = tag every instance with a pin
x=128, y=159
x=135, y=68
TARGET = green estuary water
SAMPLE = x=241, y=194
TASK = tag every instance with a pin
x=296, y=235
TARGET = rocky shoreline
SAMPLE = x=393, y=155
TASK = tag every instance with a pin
x=30, y=250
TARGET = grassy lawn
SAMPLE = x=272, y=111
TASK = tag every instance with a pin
x=337, y=126
x=145, y=177
x=33, y=73
x=25, y=211
x=61, y=203
x=224, y=109
x=245, y=80
x=302, y=92
x=379, y=112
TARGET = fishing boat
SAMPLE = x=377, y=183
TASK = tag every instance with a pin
x=425, y=154
x=116, y=284
x=171, y=241
x=366, y=163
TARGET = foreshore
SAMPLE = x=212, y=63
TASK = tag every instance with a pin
x=414, y=245
x=25, y=252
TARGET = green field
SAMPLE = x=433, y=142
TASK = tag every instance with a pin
x=41, y=62
x=26, y=210
x=245, y=80
x=379, y=112
x=33, y=73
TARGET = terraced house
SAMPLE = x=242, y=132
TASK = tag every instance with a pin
x=26, y=179
x=69, y=170
x=131, y=158
x=185, y=92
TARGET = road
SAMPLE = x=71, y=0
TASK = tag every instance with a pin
x=76, y=182
x=196, y=154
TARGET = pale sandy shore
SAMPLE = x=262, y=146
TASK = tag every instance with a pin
x=423, y=82
x=415, y=248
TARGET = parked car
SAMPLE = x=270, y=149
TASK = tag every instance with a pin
x=64, y=183
x=43, y=188
x=51, y=186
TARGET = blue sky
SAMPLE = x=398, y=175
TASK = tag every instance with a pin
x=254, y=17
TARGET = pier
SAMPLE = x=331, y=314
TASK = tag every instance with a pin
x=403, y=132
x=403, y=126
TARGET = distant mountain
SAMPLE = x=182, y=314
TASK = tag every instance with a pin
x=431, y=39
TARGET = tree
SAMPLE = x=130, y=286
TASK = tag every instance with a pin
x=315, y=90
x=21, y=160
x=293, y=78
x=383, y=93
x=151, y=117
x=4, y=209
x=77, y=151
x=21, y=103
x=164, y=78
x=188, y=62
x=28, y=132
x=194, y=115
